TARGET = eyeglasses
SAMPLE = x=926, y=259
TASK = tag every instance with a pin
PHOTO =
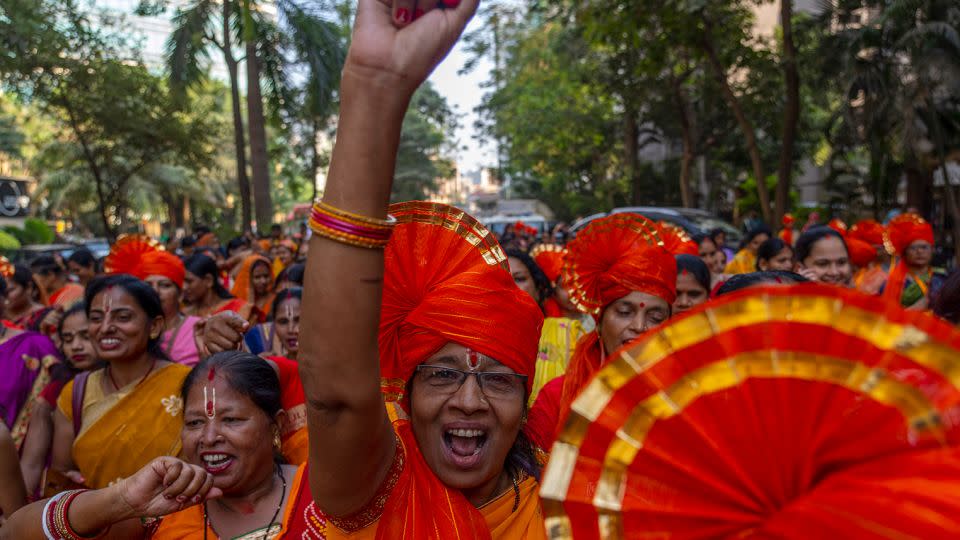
x=493, y=384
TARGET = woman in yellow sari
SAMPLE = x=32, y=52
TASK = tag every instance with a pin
x=436, y=319
x=745, y=261
x=111, y=422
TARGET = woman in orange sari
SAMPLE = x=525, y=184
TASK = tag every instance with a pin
x=111, y=422
x=621, y=270
x=231, y=485
x=437, y=316
x=253, y=284
x=205, y=295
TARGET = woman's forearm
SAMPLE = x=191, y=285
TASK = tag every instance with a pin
x=90, y=513
x=338, y=357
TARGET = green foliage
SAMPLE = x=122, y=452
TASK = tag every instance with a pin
x=8, y=242
x=423, y=144
x=38, y=231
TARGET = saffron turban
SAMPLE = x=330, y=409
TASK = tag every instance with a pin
x=677, y=241
x=906, y=229
x=861, y=253
x=549, y=257
x=142, y=257
x=868, y=230
x=446, y=279
x=616, y=255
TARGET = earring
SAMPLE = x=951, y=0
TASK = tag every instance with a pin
x=276, y=439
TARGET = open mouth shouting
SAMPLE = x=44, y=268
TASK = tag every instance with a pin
x=464, y=445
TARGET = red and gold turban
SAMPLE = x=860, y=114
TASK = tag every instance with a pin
x=6, y=267
x=906, y=229
x=838, y=225
x=549, y=257
x=615, y=256
x=142, y=257
x=787, y=233
x=677, y=241
x=902, y=231
x=861, y=253
x=868, y=230
x=446, y=280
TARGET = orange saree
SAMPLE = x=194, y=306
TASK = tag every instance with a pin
x=300, y=520
x=124, y=431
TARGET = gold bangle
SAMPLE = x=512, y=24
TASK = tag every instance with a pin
x=355, y=218
x=345, y=238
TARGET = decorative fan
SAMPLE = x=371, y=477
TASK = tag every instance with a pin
x=784, y=412
x=125, y=254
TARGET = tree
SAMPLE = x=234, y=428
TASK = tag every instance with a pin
x=198, y=27
x=423, y=142
x=118, y=139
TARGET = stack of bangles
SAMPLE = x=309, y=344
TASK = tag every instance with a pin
x=348, y=228
x=56, y=524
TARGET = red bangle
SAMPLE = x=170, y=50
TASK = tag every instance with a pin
x=61, y=519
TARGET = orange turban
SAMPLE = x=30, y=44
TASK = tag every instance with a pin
x=615, y=256
x=446, y=280
x=162, y=263
x=861, y=253
x=868, y=230
x=141, y=257
x=207, y=240
x=838, y=225
x=6, y=267
x=787, y=233
x=902, y=231
x=549, y=257
x=677, y=241
x=906, y=229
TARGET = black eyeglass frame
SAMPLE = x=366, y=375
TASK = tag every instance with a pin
x=481, y=375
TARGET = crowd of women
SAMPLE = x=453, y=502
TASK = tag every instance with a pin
x=165, y=395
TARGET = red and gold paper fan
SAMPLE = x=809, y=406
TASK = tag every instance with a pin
x=126, y=252
x=784, y=412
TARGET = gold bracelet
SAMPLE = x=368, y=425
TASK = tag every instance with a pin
x=355, y=218
x=345, y=238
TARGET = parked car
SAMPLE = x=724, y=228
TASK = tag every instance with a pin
x=26, y=254
x=692, y=220
x=497, y=224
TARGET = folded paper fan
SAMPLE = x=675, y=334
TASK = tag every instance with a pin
x=783, y=412
x=126, y=252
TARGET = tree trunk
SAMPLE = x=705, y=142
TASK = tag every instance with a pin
x=746, y=127
x=687, y=195
x=791, y=111
x=256, y=123
x=109, y=231
x=631, y=134
x=239, y=137
x=314, y=157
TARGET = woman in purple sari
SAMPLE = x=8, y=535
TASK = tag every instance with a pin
x=25, y=360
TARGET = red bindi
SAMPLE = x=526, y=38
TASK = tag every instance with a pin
x=212, y=373
x=643, y=304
